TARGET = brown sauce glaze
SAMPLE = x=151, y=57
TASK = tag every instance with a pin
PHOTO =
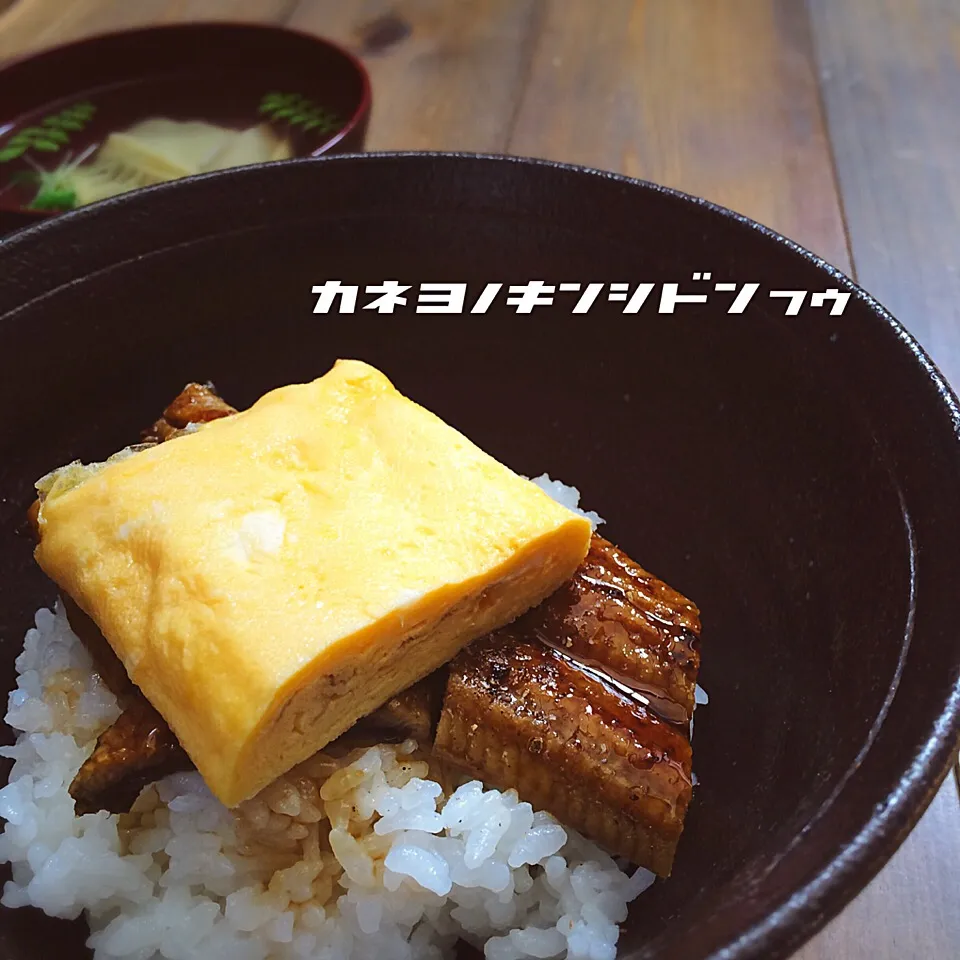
x=650, y=698
x=521, y=714
x=615, y=617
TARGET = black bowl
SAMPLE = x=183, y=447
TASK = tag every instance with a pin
x=797, y=476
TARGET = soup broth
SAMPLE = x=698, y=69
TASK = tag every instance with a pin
x=112, y=139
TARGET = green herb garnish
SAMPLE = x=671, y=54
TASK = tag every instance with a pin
x=296, y=110
x=51, y=133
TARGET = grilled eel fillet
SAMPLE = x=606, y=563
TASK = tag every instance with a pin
x=583, y=705
x=140, y=748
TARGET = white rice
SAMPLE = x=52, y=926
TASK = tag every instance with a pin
x=367, y=854
x=567, y=496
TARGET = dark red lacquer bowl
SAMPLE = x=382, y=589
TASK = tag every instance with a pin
x=798, y=477
x=63, y=100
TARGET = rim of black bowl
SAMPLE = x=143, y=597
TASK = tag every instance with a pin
x=198, y=26
x=834, y=879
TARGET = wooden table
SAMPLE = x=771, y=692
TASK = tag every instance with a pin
x=837, y=122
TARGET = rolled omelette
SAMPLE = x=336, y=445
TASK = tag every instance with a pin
x=276, y=575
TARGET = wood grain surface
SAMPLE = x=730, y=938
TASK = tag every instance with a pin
x=445, y=75
x=890, y=75
x=836, y=122
x=651, y=89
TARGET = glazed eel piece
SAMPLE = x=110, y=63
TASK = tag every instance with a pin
x=139, y=748
x=583, y=705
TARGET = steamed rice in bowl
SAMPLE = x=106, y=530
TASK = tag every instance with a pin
x=368, y=852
